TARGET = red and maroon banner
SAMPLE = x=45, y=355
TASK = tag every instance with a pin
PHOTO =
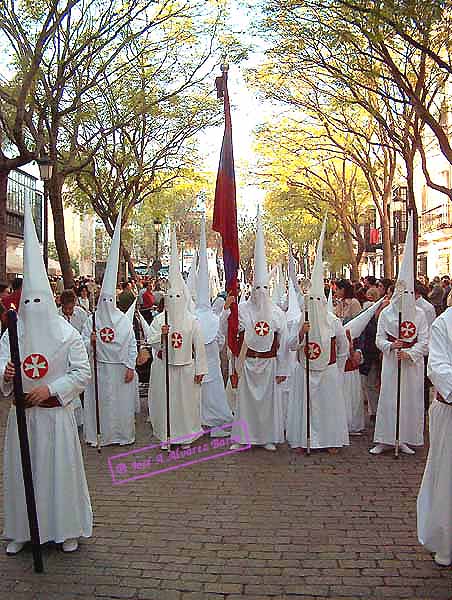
x=225, y=212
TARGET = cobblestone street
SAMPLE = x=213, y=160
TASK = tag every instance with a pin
x=252, y=525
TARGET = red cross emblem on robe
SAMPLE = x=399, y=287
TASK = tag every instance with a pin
x=313, y=351
x=176, y=340
x=407, y=329
x=107, y=335
x=35, y=366
x=262, y=328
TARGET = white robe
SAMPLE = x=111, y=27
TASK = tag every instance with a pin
x=77, y=320
x=328, y=411
x=290, y=381
x=61, y=491
x=412, y=383
x=353, y=400
x=259, y=401
x=185, y=394
x=215, y=410
x=434, y=503
x=117, y=399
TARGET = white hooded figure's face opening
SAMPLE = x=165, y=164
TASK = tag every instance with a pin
x=176, y=305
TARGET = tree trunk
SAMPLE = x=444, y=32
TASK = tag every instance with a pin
x=128, y=258
x=354, y=273
x=3, y=222
x=56, y=202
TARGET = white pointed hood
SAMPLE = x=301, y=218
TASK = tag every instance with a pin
x=112, y=325
x=111, y=270
x=260, y=303
x=330, y=302
x=192, y=279
x=178, y=298
x=357, y=324
x=131, y=310
x=403, y=298
x=208, y=320
x=214, y=278
x=319, y=318
x=293, y=310
x=43, y=334
x=279, y=288
x=260, y=260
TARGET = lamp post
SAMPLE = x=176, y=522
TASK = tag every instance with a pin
x=45, y=172
x=157, y=265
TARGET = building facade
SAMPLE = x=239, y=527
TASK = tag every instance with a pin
x=21, y=187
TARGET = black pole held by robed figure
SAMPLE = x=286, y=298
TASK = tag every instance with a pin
x=24, y=443
x=308, y=391
x=96, y=386
x=167, y=381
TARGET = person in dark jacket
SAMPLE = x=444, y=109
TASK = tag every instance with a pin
x=370, y=368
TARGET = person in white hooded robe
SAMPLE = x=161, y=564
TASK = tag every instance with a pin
x=116, y=351
x=77, y=317
x=262, y=364
x=409, y=348
x=292, y=314
x=187, y=362
x=327, y=353
x=215, y=410
x=55, y=370
x=434, y=503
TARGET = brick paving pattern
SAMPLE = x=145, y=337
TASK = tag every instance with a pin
x=253, y=525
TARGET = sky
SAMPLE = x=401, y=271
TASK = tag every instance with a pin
x=247, y=111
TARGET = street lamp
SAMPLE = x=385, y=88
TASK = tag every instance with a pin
x=397, y=208
x=45, y=172
x=157, y=227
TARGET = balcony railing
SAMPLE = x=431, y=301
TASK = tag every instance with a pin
x=15, y=224
x=436, y=218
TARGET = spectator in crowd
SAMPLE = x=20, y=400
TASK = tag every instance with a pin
x=370, y=282
x=148, y=296
x=445, y=282
x=347, y=305
x=436, y=295
x=383, y=285
x=126, y=297
x=83, y=298
x=12, y=300
x=157, y=292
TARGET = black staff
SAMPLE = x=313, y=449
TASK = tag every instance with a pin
x=399, y=373
x=168, y=430
x=96, y=384
x=24, y=443
x=308, y=394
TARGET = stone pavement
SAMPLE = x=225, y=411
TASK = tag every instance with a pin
x=254, y=525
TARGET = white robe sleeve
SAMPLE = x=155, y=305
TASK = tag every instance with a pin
x=6, y=388
x=86, y=333
x=78, y=373
x=132, y=352
x=381, y=340
x=342, y=346
x=201, y=367
x=293, y=339
x=440, y=361
x=154, y=338
x=420, y=348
